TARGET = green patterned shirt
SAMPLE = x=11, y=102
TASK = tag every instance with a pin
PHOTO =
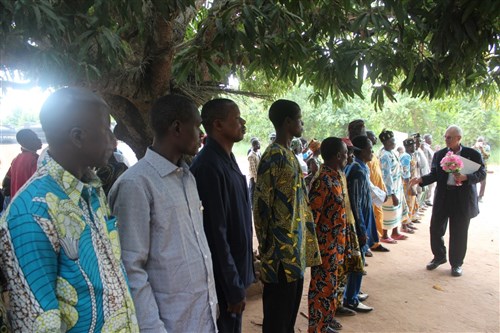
x=283, y=220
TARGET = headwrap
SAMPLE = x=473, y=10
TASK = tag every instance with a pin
x=314, y=145
x=408, y=142
x=356, y=128
x=296, y=143
x=385, y=135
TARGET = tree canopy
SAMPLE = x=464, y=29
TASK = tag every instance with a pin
x=134, y=51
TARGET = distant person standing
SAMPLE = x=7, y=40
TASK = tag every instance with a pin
x=453, y=205
x=484, y=149
x=395, y=208
x=253, y=164
x=423, y=169
x=283, y=222
x=409, y=171
x=227, y=213
x=359, y=187
x=377, y=181
x=429, y=154
x=24, y=165
x=327, y=195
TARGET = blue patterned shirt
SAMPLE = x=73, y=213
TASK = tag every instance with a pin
x=60, y=251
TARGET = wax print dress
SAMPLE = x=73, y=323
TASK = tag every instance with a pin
x=327, y=199
x=391, y=172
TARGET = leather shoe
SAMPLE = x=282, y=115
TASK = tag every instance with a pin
x=362, y=297
x=359, y=308
x=456, y=271
x=380, y=248
x=435, y=263
x=343, y=311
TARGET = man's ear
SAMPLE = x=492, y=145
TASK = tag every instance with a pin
x=176, y=127
x=77, y=136
x=217, y=124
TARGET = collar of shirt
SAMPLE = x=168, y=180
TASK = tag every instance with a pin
x=458, y=152
x=360, y=162
x=25, y=150
x=331, y=172
x=163, y=166
x=217, y=148
x=71, y=185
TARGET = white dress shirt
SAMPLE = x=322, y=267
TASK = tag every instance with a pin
x=164, y=247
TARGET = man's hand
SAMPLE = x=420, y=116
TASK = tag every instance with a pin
x=415, y=181
x=237, y=308
x=459, y=177
x=395, y=201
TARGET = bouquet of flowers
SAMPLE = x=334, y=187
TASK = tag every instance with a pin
x=452, y=163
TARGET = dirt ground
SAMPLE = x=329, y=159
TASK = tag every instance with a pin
x=408, y=298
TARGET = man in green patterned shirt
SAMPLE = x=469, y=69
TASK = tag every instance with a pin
x=283, y=222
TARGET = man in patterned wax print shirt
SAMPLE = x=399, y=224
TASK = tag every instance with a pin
x=283, y=222
x=59, y=245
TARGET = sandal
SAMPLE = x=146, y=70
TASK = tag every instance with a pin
x=407, y=230
x=336, y=325
x=400, y=237
x=388, y=240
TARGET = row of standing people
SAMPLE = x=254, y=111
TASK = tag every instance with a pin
x=62, y=252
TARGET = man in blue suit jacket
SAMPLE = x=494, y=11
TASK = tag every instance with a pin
x=458, y=204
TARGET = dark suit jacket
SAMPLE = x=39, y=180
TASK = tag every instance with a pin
x=227, y=218
x=466, y=196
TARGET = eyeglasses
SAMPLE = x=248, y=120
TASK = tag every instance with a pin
x=448, y=137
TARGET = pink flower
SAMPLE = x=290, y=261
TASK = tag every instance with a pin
x=451, y=163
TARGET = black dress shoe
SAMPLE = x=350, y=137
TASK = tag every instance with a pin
x=343, y=311
x=456, y=271
x=435, y=263
x=380, y=248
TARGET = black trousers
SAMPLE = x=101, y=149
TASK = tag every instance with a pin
x=251, y=189
x=227, y=322
x=281, y=303
x=459, y=228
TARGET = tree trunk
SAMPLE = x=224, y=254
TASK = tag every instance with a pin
x=132, y=123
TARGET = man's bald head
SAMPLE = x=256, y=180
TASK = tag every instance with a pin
x=77, y=128
x=68, y=108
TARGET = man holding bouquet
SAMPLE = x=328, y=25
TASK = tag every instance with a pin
x=456, y=203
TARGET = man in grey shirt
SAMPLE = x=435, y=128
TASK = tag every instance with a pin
x=160, y=219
